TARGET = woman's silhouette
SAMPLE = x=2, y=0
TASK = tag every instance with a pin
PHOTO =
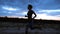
x=30, y=19
x=29, y=15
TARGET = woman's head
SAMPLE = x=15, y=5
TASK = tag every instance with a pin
x=29, y=7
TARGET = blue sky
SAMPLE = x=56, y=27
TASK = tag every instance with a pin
x=45, y=9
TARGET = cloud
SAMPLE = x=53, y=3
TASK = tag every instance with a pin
x=9, y=8
x=45, y=16
x=39, y=4
x=46, y=4
x=24, y=13
x=21, y=13
x=4, y=11
x=58, y=15
x=48, y=11
x=10, y=12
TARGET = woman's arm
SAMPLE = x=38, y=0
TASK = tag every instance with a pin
x=26, y=15
x=35, y=15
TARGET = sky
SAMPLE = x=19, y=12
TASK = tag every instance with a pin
x=45, y=9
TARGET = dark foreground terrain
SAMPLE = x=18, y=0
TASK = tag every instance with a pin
x=19, y=28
